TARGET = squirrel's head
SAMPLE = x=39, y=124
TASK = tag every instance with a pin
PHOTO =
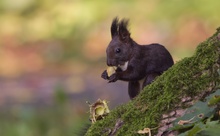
x=119, y=49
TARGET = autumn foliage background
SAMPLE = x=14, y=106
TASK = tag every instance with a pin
x=52, y=53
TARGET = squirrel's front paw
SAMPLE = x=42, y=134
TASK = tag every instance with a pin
x=105, y=75
x=113, y=78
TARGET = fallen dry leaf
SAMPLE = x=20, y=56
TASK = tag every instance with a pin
x=145, y=131
x=183, y=122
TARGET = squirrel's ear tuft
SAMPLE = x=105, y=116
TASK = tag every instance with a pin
x=119, y=28
x=114, y=27
x=124, y=34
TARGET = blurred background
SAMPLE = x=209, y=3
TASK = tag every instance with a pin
x=52, y=53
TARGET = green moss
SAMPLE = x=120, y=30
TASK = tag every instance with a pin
x=187, y=78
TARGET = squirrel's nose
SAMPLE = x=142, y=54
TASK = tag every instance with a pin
x=109, y=62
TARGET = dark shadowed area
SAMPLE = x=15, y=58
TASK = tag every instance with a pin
x=52, y=54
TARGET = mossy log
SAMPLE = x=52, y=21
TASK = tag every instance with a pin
x=179, y=87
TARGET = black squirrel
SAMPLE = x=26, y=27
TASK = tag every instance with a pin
x=137, y=64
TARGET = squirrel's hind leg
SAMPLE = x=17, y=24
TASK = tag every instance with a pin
x=150, y=78
x=133, y=88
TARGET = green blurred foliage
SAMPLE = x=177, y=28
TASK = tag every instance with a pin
x=60, y=96
x=29, y=121
x=72, y=21
x=62, y=118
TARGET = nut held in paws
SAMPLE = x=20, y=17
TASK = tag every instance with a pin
x=111, y=70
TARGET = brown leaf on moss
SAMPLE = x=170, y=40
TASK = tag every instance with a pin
x=145, y=131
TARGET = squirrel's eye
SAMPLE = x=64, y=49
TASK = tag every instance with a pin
x=118, y=50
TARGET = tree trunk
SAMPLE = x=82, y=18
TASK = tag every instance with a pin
x=179, y=87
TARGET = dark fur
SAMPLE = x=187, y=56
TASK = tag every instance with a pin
x=145, y=62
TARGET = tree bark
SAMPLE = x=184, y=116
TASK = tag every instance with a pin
x=179, y=87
